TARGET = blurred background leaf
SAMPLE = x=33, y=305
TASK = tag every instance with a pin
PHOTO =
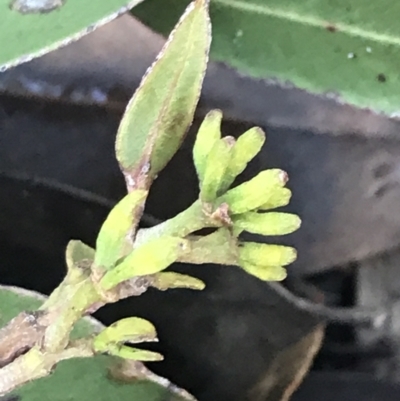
x=25, y=36
x=349, y=49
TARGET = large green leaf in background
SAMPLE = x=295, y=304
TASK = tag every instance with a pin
x=76, y=379
x=24, y=36
x=347, y=48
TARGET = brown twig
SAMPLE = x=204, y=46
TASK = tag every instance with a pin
x=21, y=334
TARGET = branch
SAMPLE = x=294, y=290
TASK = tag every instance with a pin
x=21, y=334
x=359, y=316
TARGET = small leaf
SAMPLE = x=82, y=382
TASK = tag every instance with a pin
x=265, y=273
x=254, y=193
x=129, y=330
x=134, y=353
x=162, y=109
x=112, y=241
x=208, y=133
x=247, y=146
x=266, y=254
x=24, y=36
x=279, y=197
x=273, y=223
x=216, y=166
x=165, y=280
x=151, y=257
x=77, y=253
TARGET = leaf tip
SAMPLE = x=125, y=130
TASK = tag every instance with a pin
x=283, y=177
x=202, y=3
x=215, y=114
x=260, y=132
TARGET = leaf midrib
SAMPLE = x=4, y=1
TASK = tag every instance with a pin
x=309, y=20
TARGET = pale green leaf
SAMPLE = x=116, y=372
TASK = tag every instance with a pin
x=26, y=36
x=76, y=379
x=265, y=273
x=279, y=197
x=132, y=330
x=246, y=148
x=273, y=223
x=216, y=165
x=135, y=354
x=267, y=255
x=208, y=133
x=112, y=242
x=349, y=49
x=129, y=330
x=162, y=109
x=254, y=193
x=166, y=280
x=79, y=254
x=149, y=258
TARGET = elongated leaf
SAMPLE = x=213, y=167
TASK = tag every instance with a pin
x=162, y=109
x=246, y=148
x=216, y=165
x=25, y=36
x=267, y=223
x=131, y=329
x=265, y=273
x=267, y=255
x=278, y=198
x=149, y=258
x=135, y=354
x=209, y=132
x=254, y=193
x=77, y=379
x=349, y=48
x=165, y=280
x=112, y=241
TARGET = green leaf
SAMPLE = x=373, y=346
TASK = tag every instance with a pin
x=162, y=109
x=131, y=329
x=279, y=197
x=76, y=379
x=273, y=223
x=208, y=133
x=348, y=48
x=78, y=253
x=265, y=273
x=149, y=258
x=246, y=148
x=254, y=193
x=112, y=242
x=267, y=255
x=216, y=165
x=135, y=354
x=26, y=36
x=166, y=280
